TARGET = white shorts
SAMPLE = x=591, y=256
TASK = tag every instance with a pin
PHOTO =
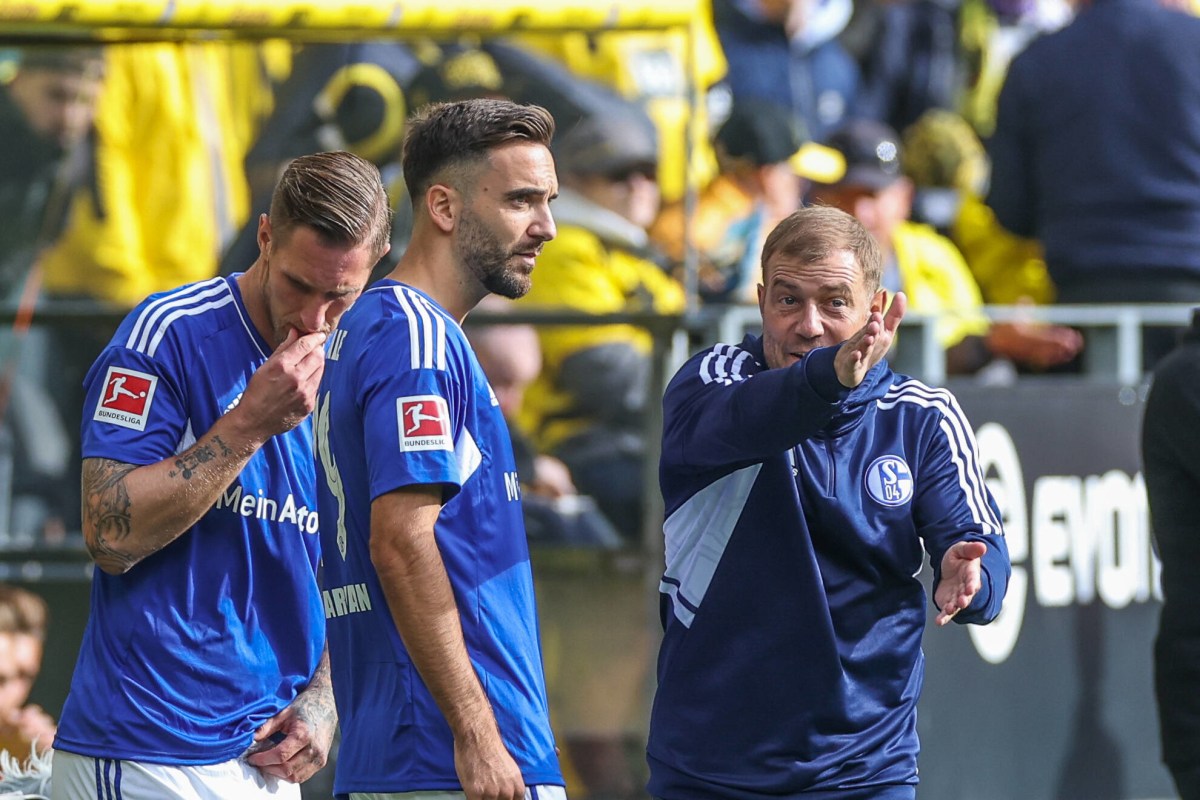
x=77, y=777
x=542, y=792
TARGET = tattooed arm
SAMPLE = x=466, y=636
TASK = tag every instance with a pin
x=130, y=512
x=295, y=743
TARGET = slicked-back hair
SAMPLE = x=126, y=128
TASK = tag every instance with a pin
x=812, y=234
x=449, y=135
x=337, y=194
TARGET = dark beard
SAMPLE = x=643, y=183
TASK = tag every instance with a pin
x=508, y=283
x=487, y=259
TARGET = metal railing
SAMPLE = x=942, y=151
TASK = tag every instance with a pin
x=1113, y=354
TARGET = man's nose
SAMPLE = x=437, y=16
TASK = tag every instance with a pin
x=543, y=228
x=314, y=316
x=808, y=321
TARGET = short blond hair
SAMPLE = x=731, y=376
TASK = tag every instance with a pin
x=813, y=233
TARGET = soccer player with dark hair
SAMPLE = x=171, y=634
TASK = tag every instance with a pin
x=433, y=633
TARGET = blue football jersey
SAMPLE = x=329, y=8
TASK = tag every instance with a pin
x=403, y=402
x=185, y=655
x=798, y=515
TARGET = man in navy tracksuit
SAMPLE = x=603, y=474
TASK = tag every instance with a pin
x=803, y=479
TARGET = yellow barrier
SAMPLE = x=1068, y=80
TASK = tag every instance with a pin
x=111, y=17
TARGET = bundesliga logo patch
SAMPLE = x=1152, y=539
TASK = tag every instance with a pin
x=424, y=423
x=126, y=397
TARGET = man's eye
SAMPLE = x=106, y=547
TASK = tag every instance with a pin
x=787, y=300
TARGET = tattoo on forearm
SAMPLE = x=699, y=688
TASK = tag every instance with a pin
x=107, y=507
x=187, y=463
x=315, y=705
x=317, y=708
x=225, y=449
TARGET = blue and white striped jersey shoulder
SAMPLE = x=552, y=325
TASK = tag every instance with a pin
x=726, y=364
x=429, y=325
x=172, y=313
x=910, y=390
x=953, y=425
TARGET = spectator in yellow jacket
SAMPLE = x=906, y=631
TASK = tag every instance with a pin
x=949, y=169
x=170, y=189
x=586, y=407
x=926, y=265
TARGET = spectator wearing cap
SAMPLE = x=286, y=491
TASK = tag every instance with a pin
x=764, y=160
x=925, y=265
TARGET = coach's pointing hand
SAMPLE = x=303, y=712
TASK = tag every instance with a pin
x=870, y=344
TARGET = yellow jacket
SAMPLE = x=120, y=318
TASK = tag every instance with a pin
x=173, y=126
x=1008, y=268
x=937, y=282
x=581, y=271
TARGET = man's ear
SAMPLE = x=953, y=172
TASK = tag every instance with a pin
x=879, y=302
x=444, y=205
x=264, y=234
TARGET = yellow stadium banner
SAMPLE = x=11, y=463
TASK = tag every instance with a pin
x=108, y=18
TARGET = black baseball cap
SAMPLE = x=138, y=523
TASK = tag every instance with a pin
x=871, y=151
x=617, y=141
x=764, y=133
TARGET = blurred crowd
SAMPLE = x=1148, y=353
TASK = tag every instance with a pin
x=1013, y=152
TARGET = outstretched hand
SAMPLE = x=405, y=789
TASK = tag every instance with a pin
x=867, y=348
x=960, y=581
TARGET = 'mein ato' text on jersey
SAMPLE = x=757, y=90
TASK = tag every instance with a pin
x=256, y=505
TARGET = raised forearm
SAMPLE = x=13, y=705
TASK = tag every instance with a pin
x=130, y=512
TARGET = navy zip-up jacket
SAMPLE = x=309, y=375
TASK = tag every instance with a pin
x=798, y=514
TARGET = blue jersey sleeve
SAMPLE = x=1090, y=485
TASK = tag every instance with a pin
x=953, y=505
x=723, y=409
x=413, y=418
x=134, y=411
